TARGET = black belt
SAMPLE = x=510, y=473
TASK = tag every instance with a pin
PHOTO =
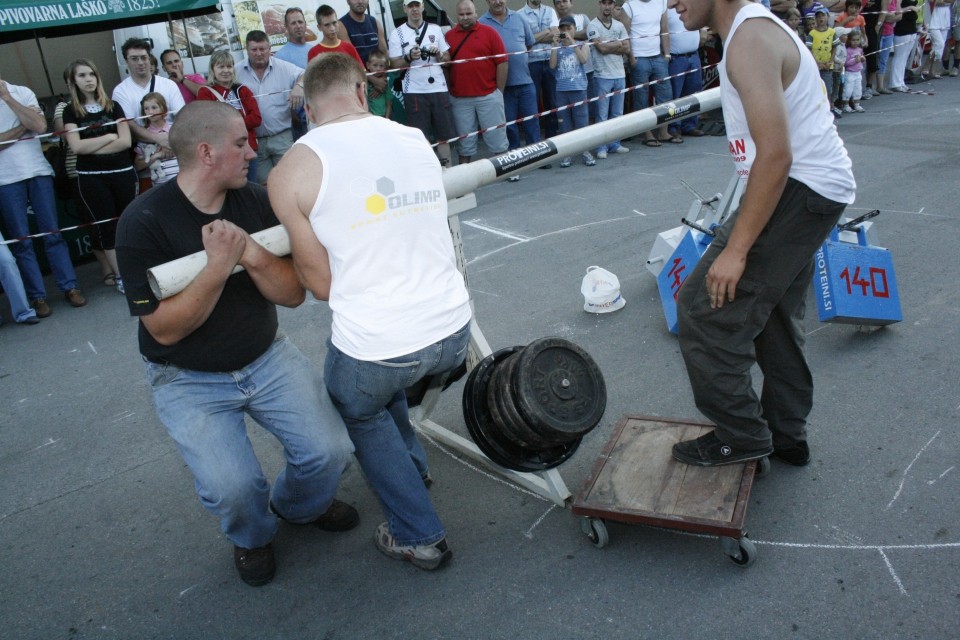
x=686, y=55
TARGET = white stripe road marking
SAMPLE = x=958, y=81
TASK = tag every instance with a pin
x=498, y=232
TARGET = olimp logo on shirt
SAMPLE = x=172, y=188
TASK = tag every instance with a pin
x=386, y=197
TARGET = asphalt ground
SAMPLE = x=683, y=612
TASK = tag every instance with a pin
x=102, y=536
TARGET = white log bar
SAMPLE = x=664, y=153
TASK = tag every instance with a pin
x=171, y=278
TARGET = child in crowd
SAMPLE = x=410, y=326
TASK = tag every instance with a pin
x=567, y=58
x=839, y=60
x=822, y=41
x=378, y=101
x=853, y=73
x=795, y=22
x=150, y=158
x=851, y=18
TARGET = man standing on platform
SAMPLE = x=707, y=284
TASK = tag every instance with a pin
x=744, y=302
x=476, y=87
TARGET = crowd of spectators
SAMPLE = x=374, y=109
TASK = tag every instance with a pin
x=487, y=78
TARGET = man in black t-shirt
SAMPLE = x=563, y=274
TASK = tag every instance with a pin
x=213, y=351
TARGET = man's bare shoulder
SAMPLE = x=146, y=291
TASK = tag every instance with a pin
x=294, y=184
x=759, y=45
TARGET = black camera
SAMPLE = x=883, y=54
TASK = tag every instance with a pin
x=424, y=54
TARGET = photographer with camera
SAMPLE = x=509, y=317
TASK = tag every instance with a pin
x=420, y=48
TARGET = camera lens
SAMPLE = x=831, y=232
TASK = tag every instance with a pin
x=424, y=55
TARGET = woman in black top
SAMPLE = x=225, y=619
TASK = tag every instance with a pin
x=100, y=136
x=904, y=42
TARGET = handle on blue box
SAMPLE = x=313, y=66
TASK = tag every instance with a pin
x=850, y=224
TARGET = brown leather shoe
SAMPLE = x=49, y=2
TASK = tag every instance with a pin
x=255, y=566
x=75, y=298
x=42, y=308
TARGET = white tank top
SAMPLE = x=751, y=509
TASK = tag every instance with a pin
x=820, y=160
x=382, y=217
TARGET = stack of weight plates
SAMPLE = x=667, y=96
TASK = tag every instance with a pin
x=528, y=408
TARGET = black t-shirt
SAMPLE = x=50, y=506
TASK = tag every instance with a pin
x=162, y=225
x=93, y=161
x=908, y=23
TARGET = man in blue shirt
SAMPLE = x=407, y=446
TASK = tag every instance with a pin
x=520, y=95
x=295, y=52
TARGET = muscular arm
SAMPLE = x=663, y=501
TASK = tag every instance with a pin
x=294, y=186
x=761, y=63
x=275, y=277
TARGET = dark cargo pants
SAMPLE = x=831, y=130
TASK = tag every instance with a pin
x=763, y=325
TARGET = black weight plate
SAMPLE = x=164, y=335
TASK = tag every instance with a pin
x=511, y=424
x=559, y=389
x=506, y=394
x=484, y=433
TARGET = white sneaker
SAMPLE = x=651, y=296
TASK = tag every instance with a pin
x=621, y=149
x=859, y=109
x=602, y=155
x=513, y=179
x=588, y=159
x=566, y=162
x=847, y=108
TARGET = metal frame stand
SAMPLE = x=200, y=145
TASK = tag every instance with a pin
x=548, y=484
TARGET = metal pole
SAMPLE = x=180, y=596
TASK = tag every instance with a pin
x=172, y=277
x=43, y=59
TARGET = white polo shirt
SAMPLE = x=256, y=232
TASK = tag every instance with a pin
x=128, y=95
x=23, y=159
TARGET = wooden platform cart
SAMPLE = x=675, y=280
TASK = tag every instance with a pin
x=636, y=481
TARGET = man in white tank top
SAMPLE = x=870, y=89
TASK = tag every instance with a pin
x=744, y=302
x=363, y=202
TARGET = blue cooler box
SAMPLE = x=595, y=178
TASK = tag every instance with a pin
x=675, y=271
x=855, y=283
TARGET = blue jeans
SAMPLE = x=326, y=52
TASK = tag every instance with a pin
x=546, y=84
x=370, y=397
x=38, y=193
x=519, y=101
x=20, y=309
x=650, y=70
x=886, y=47
x=685, y=85
x=609, y=107
x=574, y=117
x=283, y=392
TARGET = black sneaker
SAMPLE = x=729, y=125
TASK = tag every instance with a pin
x=255, y=566
x=708, y=451
x=796, y=454
x=339, y=517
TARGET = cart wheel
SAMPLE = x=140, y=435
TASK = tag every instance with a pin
x=763, y=467
x=596, y=530
x=742, y=552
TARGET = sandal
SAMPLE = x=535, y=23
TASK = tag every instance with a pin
x=675, y=139
x=652, y=142
x=110, y=280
